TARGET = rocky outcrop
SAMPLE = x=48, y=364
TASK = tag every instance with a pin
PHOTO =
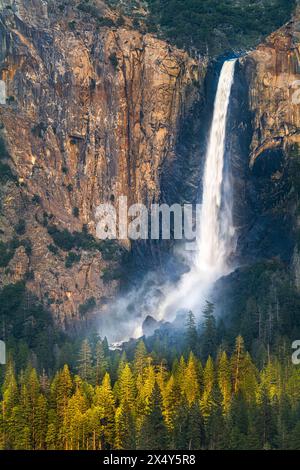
x=92, y=112
x=271, y=74
x=273, y=70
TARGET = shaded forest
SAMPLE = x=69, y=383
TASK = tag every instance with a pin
x=147, y=402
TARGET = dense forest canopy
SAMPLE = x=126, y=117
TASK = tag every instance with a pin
x=217, y=26
x=145, y=403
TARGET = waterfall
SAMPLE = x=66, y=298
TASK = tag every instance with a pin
x=216, y=240
x=216, y=235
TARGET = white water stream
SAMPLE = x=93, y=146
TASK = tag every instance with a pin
x=216, y=240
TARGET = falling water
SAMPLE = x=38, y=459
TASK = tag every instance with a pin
x=216, y=235
x=215, y=241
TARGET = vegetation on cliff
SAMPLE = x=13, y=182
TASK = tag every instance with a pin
x=212, y=26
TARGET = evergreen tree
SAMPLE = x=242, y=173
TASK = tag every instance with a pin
x=10, y=401
x=207, y=399
x=140, y=358
x=224, y=381
x=85, y=368
x=124, y=427
x=237, y=363
x=101, y=364
x=190, y=382
x=153, y=434
x=105, y=403
x=191, y=333
x=209, y=333
x=126, y=388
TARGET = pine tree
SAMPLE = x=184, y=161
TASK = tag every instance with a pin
x=140, y=358
x=126, y=388
x=101, y=364
x=224, y=381
x=265, y=420
x=60, y=392
x=209, y=333
x=41, y=423
x=9, y=403
x=191, y=385
x=207, y=399
x=237, y=362
x=105, y=403
x=85, y=368
x=29, y=400
x=191, y=333
x=73, y=430
x=171, y=401
x=153, y=434
x=195, y=428
x=124, y=427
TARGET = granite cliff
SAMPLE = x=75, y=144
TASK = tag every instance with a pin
x=92, y=112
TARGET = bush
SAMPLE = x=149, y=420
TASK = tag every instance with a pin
x=109, y=274
x=7, y=252
x=27, y=245
x=53, y=249
x=75, y=212
x=6, y=173
x=87, y=306
x=3, y=150
x=72, y=25
x=63, y=239
x=36, y=199
x=20, y=228
x=105, y=22
x=114, y=60
x=120, y=21
x=71, y=259
x=67, y=241
x=39, y=130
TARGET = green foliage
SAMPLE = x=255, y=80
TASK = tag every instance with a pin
x=53, y=249
x=7, y=251
x=6, y=173
x=28, y=328
x=87, y=306
x=75, y=212
x=67, y=241
x=111, y=274
x=114, y=60
x=36, y=199
x=3, y=149
x=72, y=25
x=39, y=129
x=71, y=259
x=191, y=405
x=108, y=22
x=20, y=228
x=217, y=26
x=209, y=334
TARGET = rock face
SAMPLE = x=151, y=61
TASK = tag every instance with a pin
x=92, y=112
x=271, y=77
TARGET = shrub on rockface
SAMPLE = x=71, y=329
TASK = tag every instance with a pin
x=72, y=259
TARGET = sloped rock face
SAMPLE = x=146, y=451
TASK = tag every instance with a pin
x=92, y=113
x=271, y=191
